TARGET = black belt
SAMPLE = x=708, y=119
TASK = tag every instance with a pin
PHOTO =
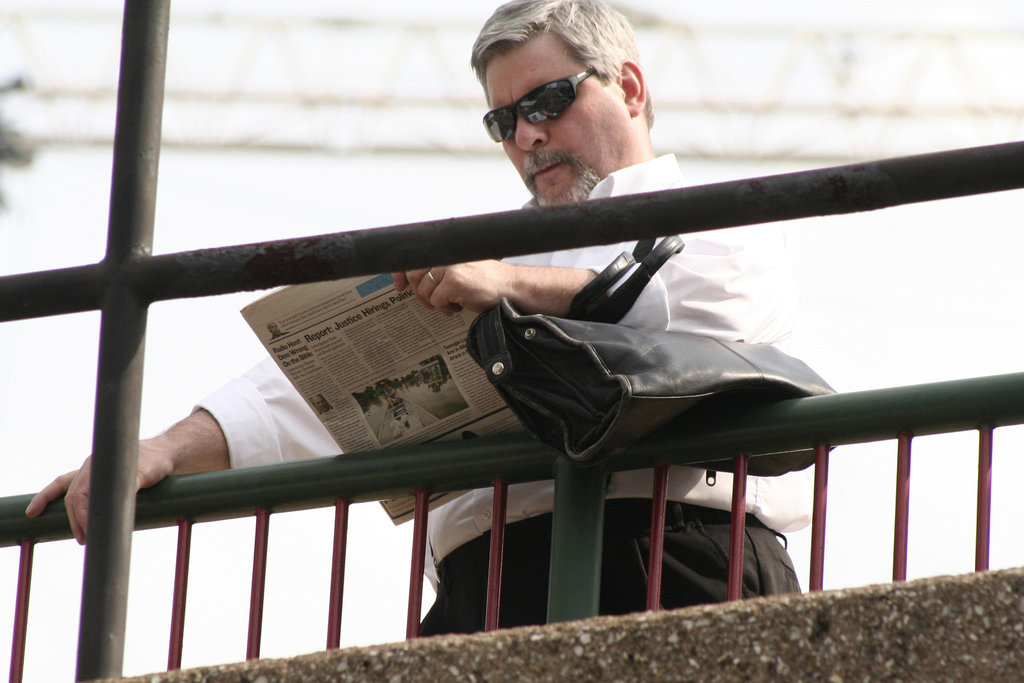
x=618, y=513
x=637, y=511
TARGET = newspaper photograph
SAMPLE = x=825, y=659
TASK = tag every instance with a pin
x=378, y=368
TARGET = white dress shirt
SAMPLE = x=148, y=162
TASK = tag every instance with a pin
x=733, y=284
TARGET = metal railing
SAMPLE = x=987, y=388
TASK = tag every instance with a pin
x=128, y=280
x=823, y=422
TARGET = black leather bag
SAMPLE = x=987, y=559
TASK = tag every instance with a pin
x=591, y=389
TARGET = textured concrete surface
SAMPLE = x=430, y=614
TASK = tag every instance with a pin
x=943, y=629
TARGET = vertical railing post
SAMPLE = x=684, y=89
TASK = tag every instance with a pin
x=180, y=593
x=122, y=334
x=419, y=554
x=984, y=519
x=655, y=556
x=341, y=506
x=21, y=611
x=577, y=532
x=818, y=517
x=900, y=532
x=499, y=508
x=738, y=528
x=257, y=593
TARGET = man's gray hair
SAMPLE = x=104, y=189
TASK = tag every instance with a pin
x=596, y=35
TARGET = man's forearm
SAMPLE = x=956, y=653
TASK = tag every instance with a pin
x=546, y=289
x=195, y=444
x=479, y=285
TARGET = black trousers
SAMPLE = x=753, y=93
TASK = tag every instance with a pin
x=695, y=569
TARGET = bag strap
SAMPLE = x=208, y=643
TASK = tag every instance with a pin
x=586, y=298
x=588, y=305
x=596, y=288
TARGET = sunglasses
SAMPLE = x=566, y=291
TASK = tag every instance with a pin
x=540, y=104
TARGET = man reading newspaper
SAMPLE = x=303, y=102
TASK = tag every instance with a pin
x=570, y=107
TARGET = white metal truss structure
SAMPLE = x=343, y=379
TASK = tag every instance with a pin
x=354, y=86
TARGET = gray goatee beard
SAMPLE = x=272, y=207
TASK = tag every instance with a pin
x=585, y=180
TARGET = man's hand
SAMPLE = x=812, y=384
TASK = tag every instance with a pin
x=479, y=285
x=195, y=444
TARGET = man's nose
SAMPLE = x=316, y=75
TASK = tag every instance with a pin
x=530, y=135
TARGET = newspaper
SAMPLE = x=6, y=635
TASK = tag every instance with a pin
x=379, y=368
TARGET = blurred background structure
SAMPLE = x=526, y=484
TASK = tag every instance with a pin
x=309, y=76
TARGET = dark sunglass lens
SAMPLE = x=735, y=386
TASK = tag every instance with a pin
x=500, y=123
x=540, y=104
x=549, y=101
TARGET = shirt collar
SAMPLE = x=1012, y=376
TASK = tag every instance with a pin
x=661, y=173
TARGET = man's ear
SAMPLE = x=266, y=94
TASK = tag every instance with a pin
x=634, y=88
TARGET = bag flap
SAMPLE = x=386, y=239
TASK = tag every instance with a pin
x=591, y=389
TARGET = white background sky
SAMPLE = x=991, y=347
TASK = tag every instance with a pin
x=902, y=296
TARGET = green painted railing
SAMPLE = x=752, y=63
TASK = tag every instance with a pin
x=840, y=419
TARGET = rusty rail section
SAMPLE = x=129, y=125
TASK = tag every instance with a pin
x=837, y=190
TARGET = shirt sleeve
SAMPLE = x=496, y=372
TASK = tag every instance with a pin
x=734, y=284
x=265, y=420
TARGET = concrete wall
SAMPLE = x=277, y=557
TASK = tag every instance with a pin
x=959, y=628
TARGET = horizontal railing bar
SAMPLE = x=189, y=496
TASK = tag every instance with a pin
x=839, y=419
x=52, y=292
x=836, y=190
x=306, y=484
